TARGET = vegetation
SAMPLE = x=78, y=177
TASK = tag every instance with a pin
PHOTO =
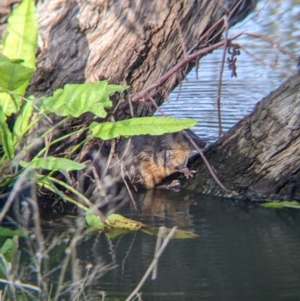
x=17, y=64
x=20, y=116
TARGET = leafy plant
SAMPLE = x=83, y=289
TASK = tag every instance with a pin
x=17, y=65
x=17, y=61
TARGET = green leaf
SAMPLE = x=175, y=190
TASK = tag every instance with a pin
x=278, y=205
x=115, y=88
x=140, y=126
x=94, y=220
x=6, y=232
x=8, y=244
x=53, y=163
x=76, y=99
x=22, y=31
x=6, y=136
x=14, y=79
x=8, y=248
x=22, y=121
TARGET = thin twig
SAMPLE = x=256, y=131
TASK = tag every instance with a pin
x=21, y=285
x=110, y=156
x=153, y=263
x=128, y=188
x=221, y=78
x=157, y=107
x=266, y=63
x=207, y=164
x=161, y=235
x=21, y=179
x=189, y=58
x=274, y=44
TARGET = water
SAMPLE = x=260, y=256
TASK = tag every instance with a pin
x=243, y=252
x=279, y=20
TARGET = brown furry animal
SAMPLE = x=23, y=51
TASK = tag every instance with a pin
x=147, y=160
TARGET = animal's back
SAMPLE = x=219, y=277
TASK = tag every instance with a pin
x=149, y=159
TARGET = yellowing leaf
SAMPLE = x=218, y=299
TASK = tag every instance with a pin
x=118, y=221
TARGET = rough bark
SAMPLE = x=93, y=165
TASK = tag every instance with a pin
x=260, y=156
x=127, y=42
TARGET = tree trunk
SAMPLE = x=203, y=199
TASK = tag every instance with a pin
x=126, y=42
x=260, y=156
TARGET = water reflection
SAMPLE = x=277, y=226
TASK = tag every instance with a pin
x=243, y=252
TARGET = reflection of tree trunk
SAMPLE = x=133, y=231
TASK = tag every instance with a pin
x=126, y=42
x=260, y=156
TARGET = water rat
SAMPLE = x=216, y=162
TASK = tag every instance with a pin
x=147, y=160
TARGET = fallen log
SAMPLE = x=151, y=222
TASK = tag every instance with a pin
x=259, y=158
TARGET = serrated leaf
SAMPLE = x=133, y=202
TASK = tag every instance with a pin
x=140, y=126
x=21, y=38
x=6, y=136
x=22, y=121
x=278, y=205
x=77, y=99
x=53, y=163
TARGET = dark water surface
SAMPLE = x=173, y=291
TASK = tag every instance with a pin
x=243, y=252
